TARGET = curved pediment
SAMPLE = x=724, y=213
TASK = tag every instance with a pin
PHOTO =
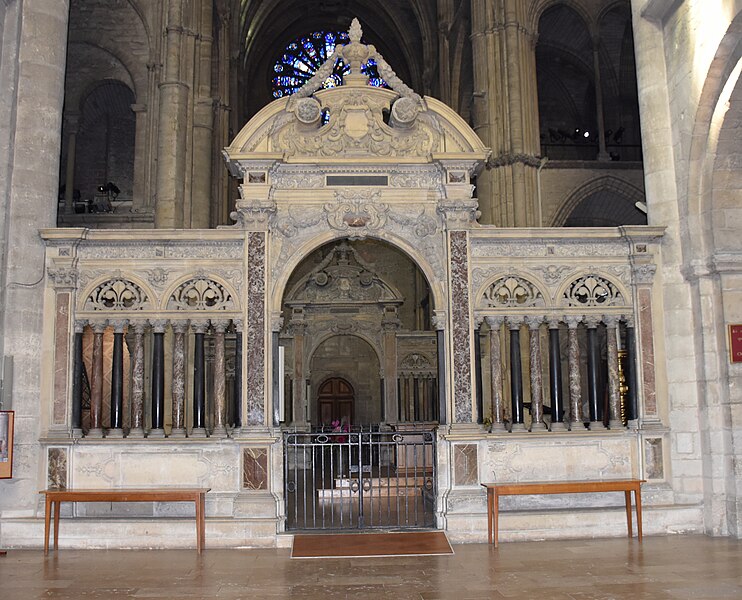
x=355, y=120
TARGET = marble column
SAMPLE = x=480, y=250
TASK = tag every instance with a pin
x=439, y=324
x=199, y=379
x=78, y=366
x=555, y=378
x=298, y=328
x=575, y=386
x=516, y=377
x=614, y=396
x=495, y=324
x=594, y=398
x=71, y=123
x=237, y=399
x=477, y=369
x=220, y=380
x=117, y=380
x=632, y=377
x=255, y=329
x=158, y=379
x=389, y=366
x=179, y=380
x=96, y=383
x=537, y=385
x=137, y=382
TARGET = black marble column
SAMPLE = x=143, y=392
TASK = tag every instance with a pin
x=516, y=378
x=199, y=380
x=441, y=377
x=555, y=378
x=158, y=379
x=593, y=375
x=77, y=379
x=632, y=374
x=117, y=380
x=237, y=409
x=478, y=370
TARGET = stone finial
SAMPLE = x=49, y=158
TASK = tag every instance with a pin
x=355, y=32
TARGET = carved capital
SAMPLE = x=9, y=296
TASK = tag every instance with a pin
x=180, y=326
x=514, y=323
x=220, y=325
x=276, y=321
x=139, y=327
x=238, y=325
x=158, y=325
x=118, y=324
x=534, y=321
x=644, y=273
x=610, y=320
x=200, y=325
x=592, y=321
x=495, y=322
x=63, y=277
x=98, y=327
x=553, y=322
x=573, y=321
x=253, y=214
x=439, y=319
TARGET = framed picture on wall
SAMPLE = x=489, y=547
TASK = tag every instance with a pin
x=6, y=443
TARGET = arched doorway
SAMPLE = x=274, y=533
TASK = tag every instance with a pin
x=335, y=402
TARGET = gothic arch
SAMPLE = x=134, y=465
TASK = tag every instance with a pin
x=234, y=297
x=617, y=186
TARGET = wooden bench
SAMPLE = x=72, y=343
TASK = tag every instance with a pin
x=495, y=490
x=55, y=497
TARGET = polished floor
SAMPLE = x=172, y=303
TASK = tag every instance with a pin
x=607, y=569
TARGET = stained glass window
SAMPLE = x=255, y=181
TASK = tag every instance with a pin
x=302, y=58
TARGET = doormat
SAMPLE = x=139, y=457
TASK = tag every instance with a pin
x=366, y=545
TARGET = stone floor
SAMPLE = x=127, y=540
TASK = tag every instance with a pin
x=695, y=567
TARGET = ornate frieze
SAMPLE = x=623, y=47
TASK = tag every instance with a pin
x=482, y=248
x=192, y=250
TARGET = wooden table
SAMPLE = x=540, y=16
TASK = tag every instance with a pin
x=55, y=497
x=495, y=490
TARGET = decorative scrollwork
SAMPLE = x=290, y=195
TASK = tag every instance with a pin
x=512, y=291
x=200, y=293
x=117, y=294
x=593, y=290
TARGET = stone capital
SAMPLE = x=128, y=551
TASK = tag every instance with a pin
x=534, y=321
x=200, y=325
x=98, y=327
x=514, y=323
x=439, y=319
x=495, y=322
x=220, y=325
x=158, y=325
x=80, y=325
x=118, y=324
x=180, y=326
x=573, y=321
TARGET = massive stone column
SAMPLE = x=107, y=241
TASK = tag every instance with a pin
x=505, y=111
x=173, y=124
x=34, y=52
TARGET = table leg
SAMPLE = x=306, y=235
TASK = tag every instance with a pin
x=47, y=516
x=495, y=515
x=56, y=523
x=200, y=522
x=627, y=495
x=489, y=516
x=638, y=501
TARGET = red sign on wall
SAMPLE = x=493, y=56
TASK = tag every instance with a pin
x=735, y=343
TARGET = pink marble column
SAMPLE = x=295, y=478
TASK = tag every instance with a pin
x=575, y=386
x=220, y=381
x=96, y=383
x=137, y=382
x=495, y=324
x=614, y=396
x=178, y=383
x=537, y=382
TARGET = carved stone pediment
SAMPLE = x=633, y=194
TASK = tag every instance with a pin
x=343, y=278
x=356, y=125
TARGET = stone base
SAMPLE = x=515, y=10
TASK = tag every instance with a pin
x=156, y=434
x=136, y=433
x=597, y=426
x=115, y=434
x=198, y=432
x=559, y=426
x=95, y=433
x=178, y=432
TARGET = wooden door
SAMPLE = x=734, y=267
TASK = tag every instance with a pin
x=335, y=401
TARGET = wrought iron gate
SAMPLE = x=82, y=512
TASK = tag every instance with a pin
x=360, y=479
